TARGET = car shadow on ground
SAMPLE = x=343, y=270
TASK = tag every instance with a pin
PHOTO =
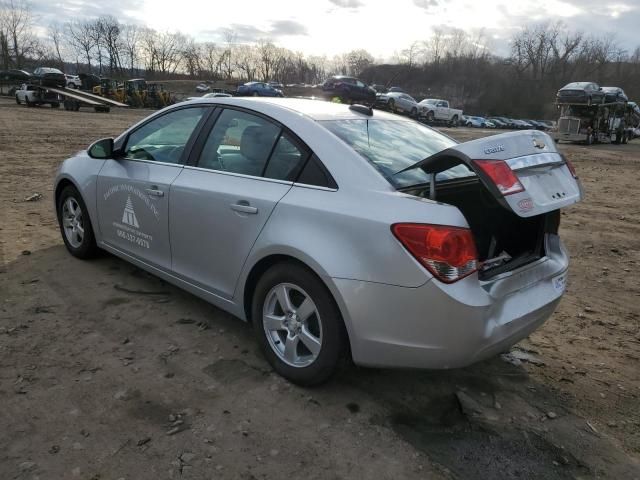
x=490, y=420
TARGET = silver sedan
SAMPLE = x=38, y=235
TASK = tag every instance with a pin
x=336, y=230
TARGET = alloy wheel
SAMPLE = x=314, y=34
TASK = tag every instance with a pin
x=292, y=325
x=72, y=222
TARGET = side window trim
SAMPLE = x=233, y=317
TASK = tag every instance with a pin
x=190, y=142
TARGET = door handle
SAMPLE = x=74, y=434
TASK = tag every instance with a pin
x=244, y=207
x=154, y=191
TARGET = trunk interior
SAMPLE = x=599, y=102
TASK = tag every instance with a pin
x=504, y=240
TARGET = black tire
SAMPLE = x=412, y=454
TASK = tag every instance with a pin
x=431, y=117
x=589, y=100
x=454, y=121
x=333, y=343
x=625, y=138
x=55, y=105
x=414, y=112
x=17, y=100
x=87, y=247
x=254, y=94
x=28, y=102
x=391, y=105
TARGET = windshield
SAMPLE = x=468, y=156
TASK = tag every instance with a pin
x=392, y=145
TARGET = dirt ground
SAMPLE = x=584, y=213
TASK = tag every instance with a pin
x=108, y=373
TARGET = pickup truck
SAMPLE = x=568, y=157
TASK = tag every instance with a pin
x=434, y=110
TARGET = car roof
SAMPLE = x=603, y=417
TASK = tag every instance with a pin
x=577, y=84
x=314, y=109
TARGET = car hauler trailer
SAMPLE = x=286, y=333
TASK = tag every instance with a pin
x=602, y=123
x=73, y=99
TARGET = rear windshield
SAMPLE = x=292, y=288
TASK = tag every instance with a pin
x=393, y=145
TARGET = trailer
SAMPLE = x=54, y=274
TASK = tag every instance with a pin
x=72, y=99
x=601, y=123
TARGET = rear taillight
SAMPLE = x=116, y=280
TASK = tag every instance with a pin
x=449, y=253
x=502, y=175
x=571, y=168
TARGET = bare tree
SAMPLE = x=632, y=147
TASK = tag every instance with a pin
x=81, y=38
x=131, y=38
x=56, y=34
x=17, y=37
x=211, y=58
x=191, y=56
x=358, y=60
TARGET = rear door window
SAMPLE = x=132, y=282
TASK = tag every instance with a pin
x=239, y=142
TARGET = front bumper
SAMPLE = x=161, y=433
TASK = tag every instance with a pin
x=448, y=326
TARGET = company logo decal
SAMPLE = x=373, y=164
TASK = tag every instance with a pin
x=127, y=227
x=525, y=204
x=129, y=215
x=494, y=149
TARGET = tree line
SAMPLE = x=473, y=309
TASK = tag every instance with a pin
x=450, y=63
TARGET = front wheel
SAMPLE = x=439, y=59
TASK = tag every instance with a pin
x=298, y=324
x=17, y=100
x=75, y=224
x=392, y=106
x=431, y=117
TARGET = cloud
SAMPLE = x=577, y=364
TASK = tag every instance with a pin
x=426, y=4
x=347, y=3
x=281, y=28
x=47, y=11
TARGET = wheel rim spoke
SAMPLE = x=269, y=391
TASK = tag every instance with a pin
x=290, y=348
x=274, y=322
x=283, y=298
x=310, y=341
x=306, y=309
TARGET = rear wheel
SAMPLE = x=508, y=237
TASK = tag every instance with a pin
x=75, y=225
x=454, y=121
x=298, y=324
x=255, y=94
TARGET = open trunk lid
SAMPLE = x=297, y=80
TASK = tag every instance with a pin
x=523, y=170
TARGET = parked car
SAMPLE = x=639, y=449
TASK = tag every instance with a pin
x=614, y=95
x=287, y=218
x=258, y=89
x=537, y=125
x=89, y=81
x=397, y=102
x=396, y=89
x=581, y=92
x=17, y=76
x=280, y=86
x=476, y=122
x=49, y=77
x=73, y=81
x=32, y=95
x=348, y=90
x=436, y=110
x=202, y=87
x=507, y=121
x=523, y=124
x=498, y=123
x=379, y=88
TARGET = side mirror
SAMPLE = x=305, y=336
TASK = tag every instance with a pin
x=102, y=149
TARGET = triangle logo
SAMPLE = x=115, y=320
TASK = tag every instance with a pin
x=129, y=216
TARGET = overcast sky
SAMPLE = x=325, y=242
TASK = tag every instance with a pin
x=335, y=26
